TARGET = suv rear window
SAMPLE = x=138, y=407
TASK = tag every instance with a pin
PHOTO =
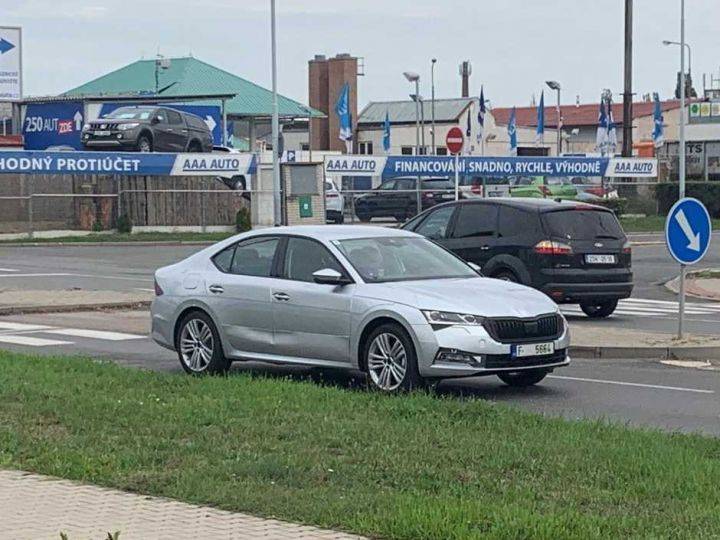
x=195, y=122
x=582, y=224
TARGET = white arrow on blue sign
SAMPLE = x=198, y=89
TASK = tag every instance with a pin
x=688, y=231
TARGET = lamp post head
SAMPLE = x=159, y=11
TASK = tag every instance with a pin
x=554, y=85
x=434, y=60
x=667, y=42
x=411, y=76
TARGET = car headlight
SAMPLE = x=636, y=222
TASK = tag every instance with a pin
x=86, y=127
x=449, y=319
x=125, y=127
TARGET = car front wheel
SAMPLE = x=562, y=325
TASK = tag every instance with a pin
x=144, y=144
x=198, y=345
x=523, y=378
x=599, y=310
x=390, y=359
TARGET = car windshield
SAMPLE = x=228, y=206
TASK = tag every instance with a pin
x=397, y=258
x=129, y=113
x=583, y=224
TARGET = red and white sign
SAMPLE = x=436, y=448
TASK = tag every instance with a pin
x=455, y=140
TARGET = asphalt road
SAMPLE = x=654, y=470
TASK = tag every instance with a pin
x=131, y=267
x=634, y=392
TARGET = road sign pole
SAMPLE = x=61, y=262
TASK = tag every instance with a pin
x=457, y=176
x=681, y=155
x=681, y=304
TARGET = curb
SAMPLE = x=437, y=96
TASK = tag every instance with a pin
x=696, y=292
x=646, y=353
x=27, y=310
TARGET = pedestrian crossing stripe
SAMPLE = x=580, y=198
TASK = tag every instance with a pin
x=652, y=308
x=18, y=334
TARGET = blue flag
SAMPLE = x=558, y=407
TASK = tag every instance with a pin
x=658, y=134
x=342, y=109
x=386, y=132
x=481, y=115
x=601, y=138
x=541, y=119
x=512, y=133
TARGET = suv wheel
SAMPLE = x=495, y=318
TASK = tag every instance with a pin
x=144, y=144
x=194, y=147
x=523, y=378
x=599, y=310
x=506, y=275
x=363, y=216
x=390, y=360
x=198, y=345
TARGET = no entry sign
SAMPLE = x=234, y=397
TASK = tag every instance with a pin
x=454, y=140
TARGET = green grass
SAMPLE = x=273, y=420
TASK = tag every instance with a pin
x=126, y=237
x=413, y=466
x=651, y=224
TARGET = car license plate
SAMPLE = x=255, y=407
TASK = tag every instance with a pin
x=600, y=259
x=534, y=349
x=102, y=133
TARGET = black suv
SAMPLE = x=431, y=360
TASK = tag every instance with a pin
x=397, y=198
x=576, y=253
x=148, y=129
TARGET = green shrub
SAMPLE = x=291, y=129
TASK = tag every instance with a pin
x=124, y=225
x=616, y=205
x=708, y=193
x=242, y=220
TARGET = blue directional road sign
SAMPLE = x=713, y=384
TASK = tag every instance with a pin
x=688, y=230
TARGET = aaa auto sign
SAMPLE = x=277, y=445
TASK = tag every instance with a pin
x=52, y=125
x=10, y=63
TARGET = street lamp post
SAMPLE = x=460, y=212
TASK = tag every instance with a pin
x=681, y=179
x=432, y=103
x=667, y=42
x=554, y=85
x=414, y=77
x=275, y=121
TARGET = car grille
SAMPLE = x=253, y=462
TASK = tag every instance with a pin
x=516, y=330
x=108, y=126
x=500, y=361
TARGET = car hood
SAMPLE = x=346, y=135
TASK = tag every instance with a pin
x=478, y=296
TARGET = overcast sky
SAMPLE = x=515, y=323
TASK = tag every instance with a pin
x=514, y=45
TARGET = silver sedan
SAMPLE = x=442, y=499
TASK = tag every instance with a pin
x=387, y=302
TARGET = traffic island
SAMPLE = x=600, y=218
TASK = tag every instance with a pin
x=703, y=284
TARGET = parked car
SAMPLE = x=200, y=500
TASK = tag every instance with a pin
x=558, y=187
x=397, y=198
x=592, y=189
x=148, y=129
x=334, y=203
x=576, y=253
x=387, y=302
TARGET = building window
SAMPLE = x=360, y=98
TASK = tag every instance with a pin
x=365, y=147
x=441, y=151
x=406, y=150
x=305, y=146
x=423, y=150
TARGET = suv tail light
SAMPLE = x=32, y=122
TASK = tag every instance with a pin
x=158, y=289
x=627, y=248
x=550, y=247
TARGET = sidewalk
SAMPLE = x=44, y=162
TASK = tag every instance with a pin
x=34, y=507
x=699, y=284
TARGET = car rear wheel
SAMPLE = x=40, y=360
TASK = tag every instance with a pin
x=506, y=275
x=194, y=147
x=599, y=310
x=144, y=144
x=198, y=345
x=390, y=360
x=363, y=216
x=523, y=378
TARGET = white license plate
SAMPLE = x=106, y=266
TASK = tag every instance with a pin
x=534, y=349
x=102, y=133
x=600, y=259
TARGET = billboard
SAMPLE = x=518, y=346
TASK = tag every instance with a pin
x=53, y=125
x=10, y=63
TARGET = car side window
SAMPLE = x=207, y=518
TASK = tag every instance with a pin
x=436, y=224
x=254, y=257
x=387, y=185
x=161, y=116
x=304, y=257
x=476, y=220
x=174, y=117
x=223, y=260
x=405, y=184
x=514, y=222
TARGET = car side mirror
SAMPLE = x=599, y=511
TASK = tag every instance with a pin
x=328, y=276
x=475, y=267
x=155, y=120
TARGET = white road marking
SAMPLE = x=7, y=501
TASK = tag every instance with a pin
x=54, y=274
x=31, y=341
x=8, y=270
x=68, y=274
x=93, y=334
x=21, y=326
x=622, y=383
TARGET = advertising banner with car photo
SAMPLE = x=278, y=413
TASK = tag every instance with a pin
x=392, y=166
x=125, y=163
x=54, y=126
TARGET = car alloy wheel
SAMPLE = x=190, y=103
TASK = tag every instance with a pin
x=387, y=362
x=196, y=345
x=144, y=145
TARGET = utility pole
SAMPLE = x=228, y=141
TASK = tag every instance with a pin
x=628, y=93
x=432, y=103
x=681, y=155
x=275, y=122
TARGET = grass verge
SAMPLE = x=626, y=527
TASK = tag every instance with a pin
x=126, y=237
x=651, y=224
x=414, y=466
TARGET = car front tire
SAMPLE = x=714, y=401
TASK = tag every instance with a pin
x=144, y=144
x=599, y=310
x=390, y=360
x=198, y=345
x=520, y=379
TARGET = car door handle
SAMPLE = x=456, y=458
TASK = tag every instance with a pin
x=281, y=296
x=216, y=289
x=484, y=248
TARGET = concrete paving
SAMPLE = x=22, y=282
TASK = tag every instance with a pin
x=35, y=507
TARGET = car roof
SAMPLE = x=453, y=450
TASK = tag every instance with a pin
x=530, y=203
x=333, y=232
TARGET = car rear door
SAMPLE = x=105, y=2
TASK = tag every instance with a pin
x=177, y=132
x=474, y=232
x=162, y=132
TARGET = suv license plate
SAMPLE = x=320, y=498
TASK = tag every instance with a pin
x=102, y=133
x=600, y=259
x=534, y=349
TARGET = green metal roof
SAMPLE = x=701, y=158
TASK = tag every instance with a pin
x=190, y=76
x=446, y=110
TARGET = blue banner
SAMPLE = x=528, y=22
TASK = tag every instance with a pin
x=211, y=114
x=127, y=163
x=49, y=125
